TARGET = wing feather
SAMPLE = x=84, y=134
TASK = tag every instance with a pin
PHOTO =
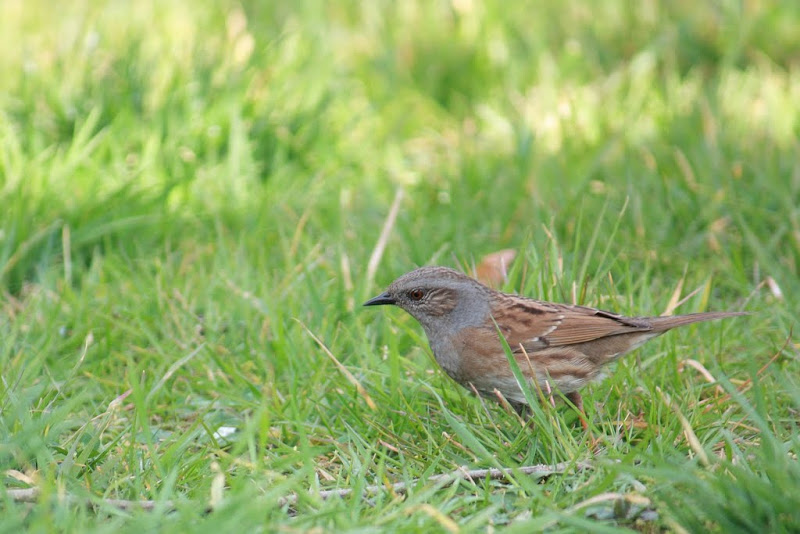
x=536, y=325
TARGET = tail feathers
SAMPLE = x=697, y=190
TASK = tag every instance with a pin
x=662, y=324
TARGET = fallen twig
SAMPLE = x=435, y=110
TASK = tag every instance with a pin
x=31, y=495
x=540, y=470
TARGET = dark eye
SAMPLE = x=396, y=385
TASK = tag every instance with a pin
x=416, y=294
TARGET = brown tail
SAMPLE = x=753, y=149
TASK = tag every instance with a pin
x=662, y=324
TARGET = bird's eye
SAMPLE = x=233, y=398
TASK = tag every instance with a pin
x=416, y=294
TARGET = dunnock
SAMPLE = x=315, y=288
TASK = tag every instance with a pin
x=558, y=345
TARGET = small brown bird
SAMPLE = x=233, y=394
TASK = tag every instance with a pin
x=559, y=346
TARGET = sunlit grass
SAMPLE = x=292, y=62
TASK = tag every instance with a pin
x=190, y=195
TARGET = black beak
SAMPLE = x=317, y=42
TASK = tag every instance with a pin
x=380, y=300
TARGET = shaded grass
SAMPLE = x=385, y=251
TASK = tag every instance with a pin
x=182, y=198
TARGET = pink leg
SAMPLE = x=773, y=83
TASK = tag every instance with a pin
x=576, y=399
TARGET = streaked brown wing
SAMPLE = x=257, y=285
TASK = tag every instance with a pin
x=537, y=325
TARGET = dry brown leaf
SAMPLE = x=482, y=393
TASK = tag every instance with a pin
x=493, y=268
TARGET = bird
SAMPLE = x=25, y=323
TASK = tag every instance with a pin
x=560, y=347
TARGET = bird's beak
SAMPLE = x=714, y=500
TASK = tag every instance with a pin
x=383, y=298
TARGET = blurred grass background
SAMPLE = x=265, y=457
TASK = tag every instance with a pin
x=188, y=190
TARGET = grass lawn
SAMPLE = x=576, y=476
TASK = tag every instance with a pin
x=196, y=197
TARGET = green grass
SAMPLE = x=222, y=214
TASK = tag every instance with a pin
x=190, y=192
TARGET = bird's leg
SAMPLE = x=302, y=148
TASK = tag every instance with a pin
x=576, y=399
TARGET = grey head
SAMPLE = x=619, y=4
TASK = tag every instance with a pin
x=441, y=299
